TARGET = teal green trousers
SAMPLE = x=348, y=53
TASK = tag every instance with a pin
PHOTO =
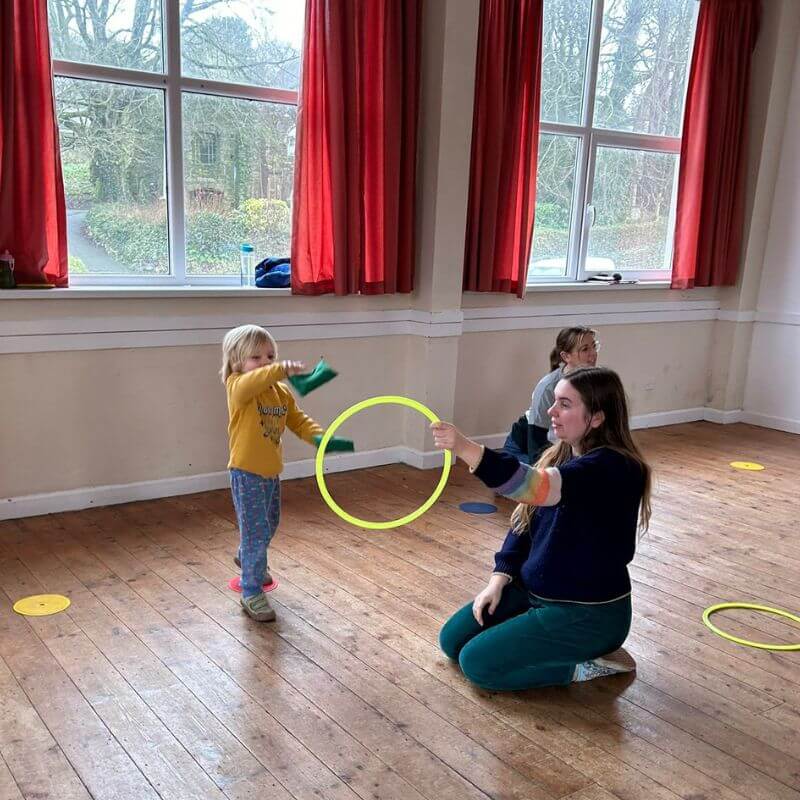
x=529, y=643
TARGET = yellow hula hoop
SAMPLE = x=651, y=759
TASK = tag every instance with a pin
x=345, y=415
x=760, y=645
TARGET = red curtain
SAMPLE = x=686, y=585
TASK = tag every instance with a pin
x=711, y=182
x=505, y=142
x=355, y=164
x=33, y=220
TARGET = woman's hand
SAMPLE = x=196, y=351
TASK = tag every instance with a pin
x=447, y=437
x=293, y=367
x=490, y=597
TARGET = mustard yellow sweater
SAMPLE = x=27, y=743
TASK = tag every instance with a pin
x=260, y=408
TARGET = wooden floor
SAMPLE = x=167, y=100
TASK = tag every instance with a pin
x=153, y=683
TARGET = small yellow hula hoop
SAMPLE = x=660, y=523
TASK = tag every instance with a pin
x=345, y=415
x=760, y=645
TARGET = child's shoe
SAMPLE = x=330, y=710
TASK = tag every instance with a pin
x=616, y=663
x=258, y=608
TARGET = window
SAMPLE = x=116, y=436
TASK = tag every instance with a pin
x=614, y=78
x=177, y=124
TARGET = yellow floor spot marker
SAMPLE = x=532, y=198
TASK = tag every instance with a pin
x=750, y=466
x=41, y=605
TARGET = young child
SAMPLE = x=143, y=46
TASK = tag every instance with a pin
x=558, y=604
x=260, y=407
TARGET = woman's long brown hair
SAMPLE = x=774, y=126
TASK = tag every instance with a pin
x=600, y=389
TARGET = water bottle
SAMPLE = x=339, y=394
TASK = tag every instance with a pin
x=248, y=258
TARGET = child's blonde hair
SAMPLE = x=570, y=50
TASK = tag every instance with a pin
x=239, y=344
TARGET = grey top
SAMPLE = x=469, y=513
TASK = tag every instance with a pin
x=544, y=395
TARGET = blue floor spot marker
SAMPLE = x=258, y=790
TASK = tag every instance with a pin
x=478, y=508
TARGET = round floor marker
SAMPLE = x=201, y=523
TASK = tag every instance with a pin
x=749, y=466
x=236, y=585
x=478, y=508
x=752, y=607
x=41, y=605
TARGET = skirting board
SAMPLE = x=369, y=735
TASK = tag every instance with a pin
x=76, y=499
x=765, y=421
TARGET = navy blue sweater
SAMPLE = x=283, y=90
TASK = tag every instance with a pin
x=579, y=549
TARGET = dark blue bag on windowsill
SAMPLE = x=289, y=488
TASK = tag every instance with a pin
x=273, y=273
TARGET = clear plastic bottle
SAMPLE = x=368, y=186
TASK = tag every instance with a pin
x=248, y=259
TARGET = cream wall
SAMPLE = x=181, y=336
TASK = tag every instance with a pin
x=772, y=392
x=110, y=396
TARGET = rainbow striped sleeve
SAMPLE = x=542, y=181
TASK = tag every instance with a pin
x=527, y=485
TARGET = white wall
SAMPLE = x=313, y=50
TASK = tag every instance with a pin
x=772, y=393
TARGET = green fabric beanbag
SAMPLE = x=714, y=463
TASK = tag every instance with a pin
x=336, y=444
x=309, y=381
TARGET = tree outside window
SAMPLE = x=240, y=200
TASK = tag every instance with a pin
x=177, y=133
x=613, y=89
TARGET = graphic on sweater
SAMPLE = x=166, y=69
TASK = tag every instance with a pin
x=269, y=417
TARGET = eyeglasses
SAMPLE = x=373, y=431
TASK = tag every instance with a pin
x=593, y=345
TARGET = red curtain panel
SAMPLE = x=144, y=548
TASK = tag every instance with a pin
x=355, y=163
x=711, y=181
x=33, y=220
x=505, y=142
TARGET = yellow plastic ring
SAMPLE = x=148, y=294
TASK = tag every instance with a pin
x=760, y=645
x=345, y=415
x=748, y=466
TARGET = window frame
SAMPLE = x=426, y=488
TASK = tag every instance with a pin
x=589, y=140
x=173, y=86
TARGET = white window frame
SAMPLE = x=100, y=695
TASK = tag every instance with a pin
x=173, y=86
x=589, y=139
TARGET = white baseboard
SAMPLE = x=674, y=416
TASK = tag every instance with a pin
x=659, y=419
x=722, y=417
x=766, y=421
x=76, y=499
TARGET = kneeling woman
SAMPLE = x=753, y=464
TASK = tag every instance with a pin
x=557, y=607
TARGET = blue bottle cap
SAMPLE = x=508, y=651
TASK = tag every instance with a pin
x=246, y=248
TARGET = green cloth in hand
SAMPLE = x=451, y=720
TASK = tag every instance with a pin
x=336, y=444
x=309, y=381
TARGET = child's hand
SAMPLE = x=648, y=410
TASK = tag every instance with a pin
x=293, y=367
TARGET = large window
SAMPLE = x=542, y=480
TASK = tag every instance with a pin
x=177, y=125
x=613, y=90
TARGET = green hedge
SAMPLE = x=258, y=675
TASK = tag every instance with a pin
x=137, y=237
x=641, y=243
x=78, y=187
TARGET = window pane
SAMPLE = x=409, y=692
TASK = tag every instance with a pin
x=644, y=56
x=124, y=33
x=555, y=184
x=632, y=196
x=112, y=147
x=564, y=41
x=239, y=168
x=256, y=42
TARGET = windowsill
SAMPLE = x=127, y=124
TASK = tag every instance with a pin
x=110, y=292
x=128, y=292
x=592, y=286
